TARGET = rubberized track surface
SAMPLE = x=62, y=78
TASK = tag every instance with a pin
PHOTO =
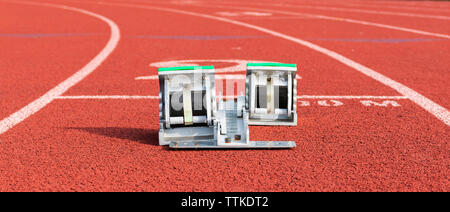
x=373, y=94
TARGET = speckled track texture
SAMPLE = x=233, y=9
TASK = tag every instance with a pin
x=361, y=124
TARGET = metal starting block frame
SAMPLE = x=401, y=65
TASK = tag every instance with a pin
x=183, y=114
x=271, y=92
x=190, y=116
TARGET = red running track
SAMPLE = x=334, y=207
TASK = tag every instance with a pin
x=111, y=144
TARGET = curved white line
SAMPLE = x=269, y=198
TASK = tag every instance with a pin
x=48, y=97
x=350, y=97
x=438, y=111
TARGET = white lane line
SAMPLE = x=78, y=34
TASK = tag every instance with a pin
x=151, y=77
x=48, y=97
x=386, y=26
x=350, y=97
x=217, y=77
x=436, y=110
x=225, y=97
x=108, y=97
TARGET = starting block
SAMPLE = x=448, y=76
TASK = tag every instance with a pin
x=190, y=116
x=271, y=92
x=186, y=103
